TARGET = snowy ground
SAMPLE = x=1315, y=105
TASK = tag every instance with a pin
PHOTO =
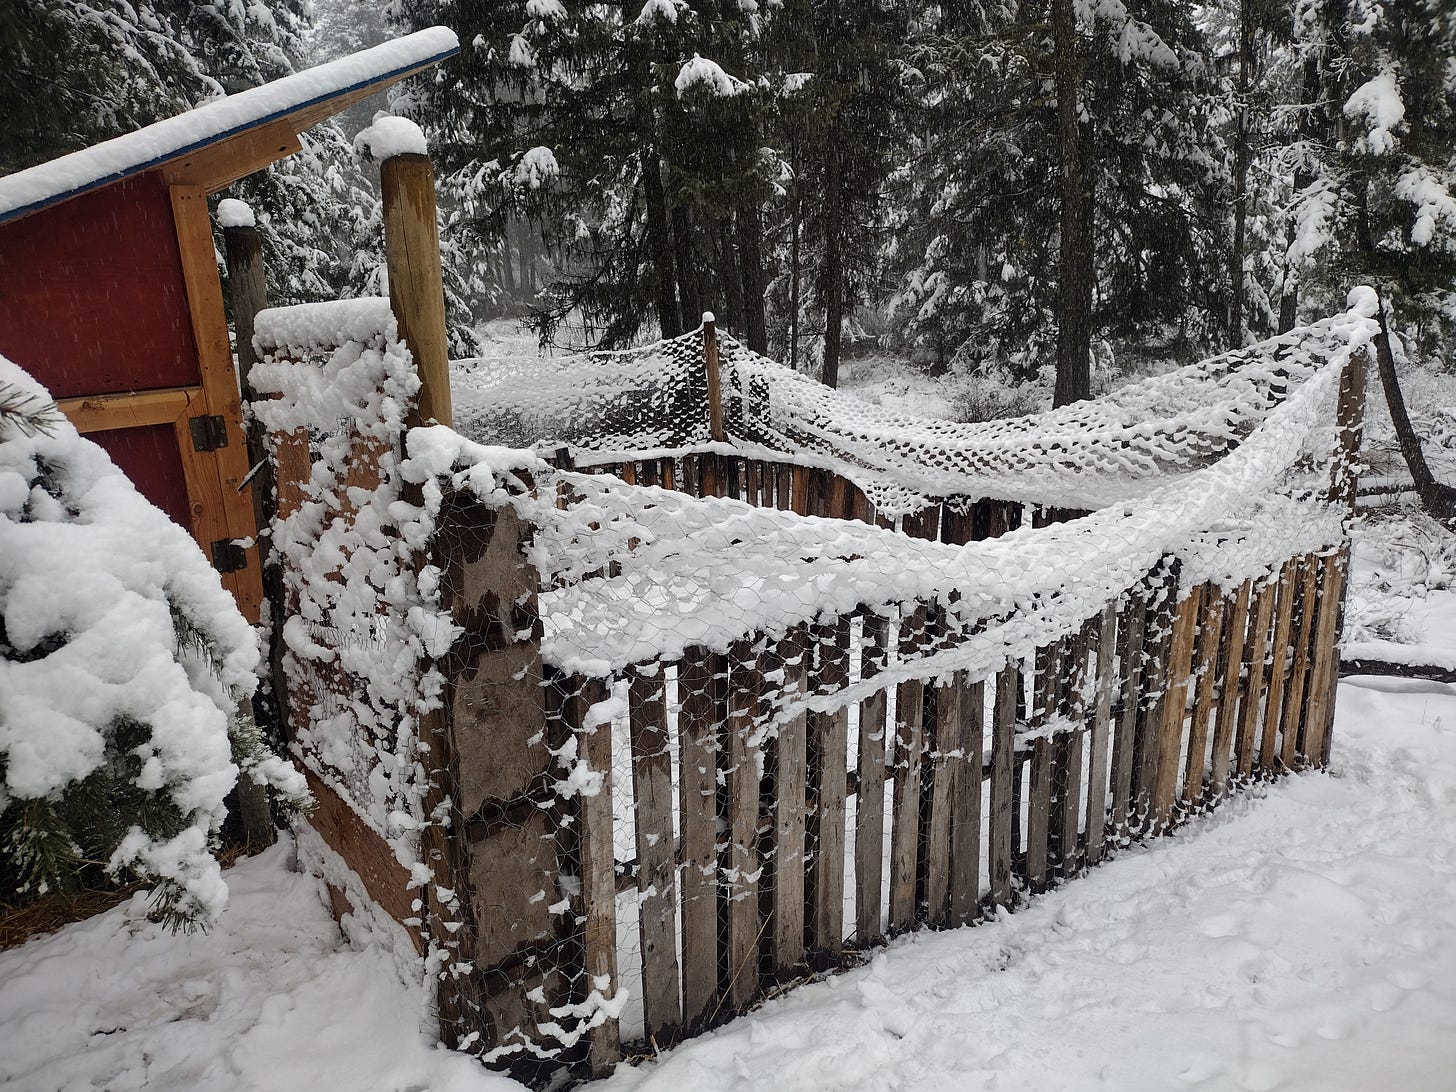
x=1302, y=937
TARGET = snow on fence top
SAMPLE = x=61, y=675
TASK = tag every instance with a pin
x=633, y=574
x=28, y=190
x=612, y=405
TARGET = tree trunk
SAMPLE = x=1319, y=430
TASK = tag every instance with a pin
x=795, y=268
x=1241, y=174
x=750, y=254
x=1437, y=499
x=730, y=283
x=689, y=283
x=659, y=244
x=1303, y=179
x=833, y=262
x=1074, y=283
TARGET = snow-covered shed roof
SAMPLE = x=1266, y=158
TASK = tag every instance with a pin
x=227, y=138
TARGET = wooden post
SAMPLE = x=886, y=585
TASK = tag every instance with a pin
x=715, y=383
x=416, y=287
x=1349, y=429
x=248, y=289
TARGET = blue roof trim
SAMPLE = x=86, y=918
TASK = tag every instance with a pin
x=157, y=161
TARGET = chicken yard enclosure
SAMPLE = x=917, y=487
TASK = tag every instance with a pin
x=753, y=678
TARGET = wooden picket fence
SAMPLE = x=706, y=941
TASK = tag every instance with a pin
x=777, y=827
x=989, y=789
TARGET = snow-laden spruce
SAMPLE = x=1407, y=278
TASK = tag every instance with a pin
x=123, y=664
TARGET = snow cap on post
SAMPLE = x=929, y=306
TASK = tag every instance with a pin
x=390, y=136
x=709, y=317
x=232, y=213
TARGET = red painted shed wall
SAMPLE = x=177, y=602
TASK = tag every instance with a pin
x=92, y=299
x=149, y=457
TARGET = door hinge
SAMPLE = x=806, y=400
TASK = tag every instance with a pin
x=228, y=556
x=209, y=432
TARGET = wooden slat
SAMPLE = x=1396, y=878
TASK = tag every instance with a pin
x=965, y=838
x=1097, y=751
x=1175, y=707
x=1231, y=655
x=829, y=742
x=1124, y=748
x=1158, y=637
x=137, y=409
x=598, y=865
x=1251, y=705
x=909, y=754
x=742, y=786
x=656, y=868
x=869, y=813
x=791, y=775
x=1327, y=656
x=1295, y=706
x=1210, y=634
x=1039, y=809
x=943, y=735
x=698, y=744
x=1067, y=755
x=1003, y=769
x=1278, y=662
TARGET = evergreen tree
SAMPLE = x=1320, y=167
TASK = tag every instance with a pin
x=1371, y=162
x=997, y=261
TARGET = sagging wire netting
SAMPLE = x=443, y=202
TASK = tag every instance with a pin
x=605, y=405
x=649, y=745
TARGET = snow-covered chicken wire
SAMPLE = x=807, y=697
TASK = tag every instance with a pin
x=360, y=630
x=607, y=406
x=123, y=666
x=713, y=719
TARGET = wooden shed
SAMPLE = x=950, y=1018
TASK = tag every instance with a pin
x=110, y=293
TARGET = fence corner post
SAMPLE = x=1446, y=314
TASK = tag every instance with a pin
x=1349, y=429
x=416, y=283
x=248, y=292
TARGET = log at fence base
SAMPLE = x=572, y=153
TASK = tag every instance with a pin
x=699, y=690
x=1003, y=769
x=869, y=814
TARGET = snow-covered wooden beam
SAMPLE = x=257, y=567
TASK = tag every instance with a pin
x=221, y=141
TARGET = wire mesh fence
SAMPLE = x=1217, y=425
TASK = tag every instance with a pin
x=626, y=751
